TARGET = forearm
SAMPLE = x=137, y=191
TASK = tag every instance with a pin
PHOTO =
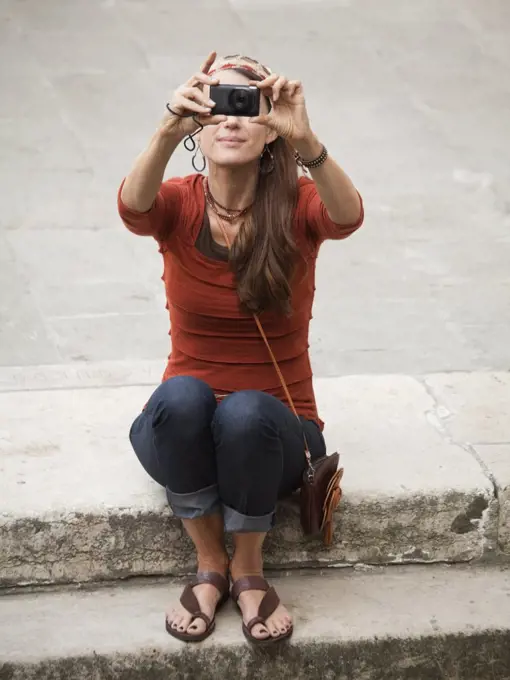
x=336, y=190
x=144, y=181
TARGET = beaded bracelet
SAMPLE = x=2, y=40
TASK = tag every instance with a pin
x=315, y=163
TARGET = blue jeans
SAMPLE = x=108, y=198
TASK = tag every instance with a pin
x=235, y=458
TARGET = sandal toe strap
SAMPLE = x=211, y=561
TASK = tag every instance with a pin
x=200, y=615
x=189, y=599
x=253, y=622
x=269, y=603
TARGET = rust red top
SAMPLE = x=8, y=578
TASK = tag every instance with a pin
x=212, y=339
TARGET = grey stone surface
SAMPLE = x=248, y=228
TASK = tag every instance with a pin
x=411, y=98
x=496, y=458
x=78, y=506
x=81, y=375
x=23, y=332
x=477, y=406
x=474, y=411
x=430, y=623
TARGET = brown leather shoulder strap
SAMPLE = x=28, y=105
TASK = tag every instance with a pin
x=273, y=358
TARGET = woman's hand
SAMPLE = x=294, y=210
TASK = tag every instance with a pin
x=190, y=100
x=288, y=116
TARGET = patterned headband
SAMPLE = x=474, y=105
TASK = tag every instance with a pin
x=238, y=61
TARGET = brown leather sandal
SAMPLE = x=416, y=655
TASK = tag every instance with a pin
x=190, y=603
x=268, y=606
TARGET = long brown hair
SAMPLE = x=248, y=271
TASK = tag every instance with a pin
x=263, y=255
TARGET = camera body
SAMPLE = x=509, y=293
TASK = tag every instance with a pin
x=235, y=100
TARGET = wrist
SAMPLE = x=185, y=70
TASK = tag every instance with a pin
x=165, y=141
x=309, y=147
x=169, y=131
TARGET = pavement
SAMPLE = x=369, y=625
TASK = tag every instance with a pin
x=434, y=623
x=411, y=98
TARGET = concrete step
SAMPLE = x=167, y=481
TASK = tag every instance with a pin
x=389, y=623
x=427, y=476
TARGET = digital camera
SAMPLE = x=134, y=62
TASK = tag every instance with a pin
x=235, y=100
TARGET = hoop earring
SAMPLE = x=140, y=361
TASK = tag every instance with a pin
x=266, y=161
x=194, y=161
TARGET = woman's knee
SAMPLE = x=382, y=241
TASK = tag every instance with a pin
x=183, y=399
x=180, y=413
x=247, y=440
x=245, y=416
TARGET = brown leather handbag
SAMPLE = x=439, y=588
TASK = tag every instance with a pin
x=320, y=491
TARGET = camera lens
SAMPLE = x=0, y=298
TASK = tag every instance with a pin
x=240, y=100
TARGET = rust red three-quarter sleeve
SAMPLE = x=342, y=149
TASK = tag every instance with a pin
x=319, y=225
x=163, y=216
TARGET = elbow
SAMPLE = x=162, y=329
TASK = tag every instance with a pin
x=129, y=199
x=351, y=214
x=135, y=204
x=136, y=221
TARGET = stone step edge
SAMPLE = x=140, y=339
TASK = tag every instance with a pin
x=448, y=618
x=121, y=543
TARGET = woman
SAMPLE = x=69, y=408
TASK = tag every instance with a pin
x=218, y=433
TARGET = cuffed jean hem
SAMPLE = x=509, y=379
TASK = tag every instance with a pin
x=195, y=504
x=236, y=522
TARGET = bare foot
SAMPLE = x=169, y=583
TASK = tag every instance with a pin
x=208, y=597
x=277, y=624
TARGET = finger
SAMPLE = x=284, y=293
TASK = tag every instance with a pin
x=268, y=93
x=208, y=63
x=203, y=79
x=293, y=86
x=190, y=105
x=278, y=86
x=263, y=119
x=195, y=94
x=266, y=83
